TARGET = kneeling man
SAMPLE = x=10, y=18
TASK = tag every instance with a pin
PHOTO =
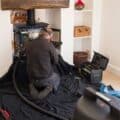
x=41, y=57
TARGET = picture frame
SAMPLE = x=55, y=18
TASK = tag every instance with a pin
x=56, y=35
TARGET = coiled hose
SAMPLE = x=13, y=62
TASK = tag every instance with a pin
x=30, y=103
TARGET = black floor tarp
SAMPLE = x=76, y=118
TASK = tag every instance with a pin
x=62, y=102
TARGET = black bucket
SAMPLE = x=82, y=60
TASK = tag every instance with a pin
x=96, y=106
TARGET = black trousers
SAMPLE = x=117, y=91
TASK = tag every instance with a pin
x=39, y=89
x=53, y=80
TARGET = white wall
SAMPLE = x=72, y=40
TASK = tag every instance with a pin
x=96, y=31
x=110, y=33
x=40, y=15
x=5, y=42
x=67, y=25
x=51, y=16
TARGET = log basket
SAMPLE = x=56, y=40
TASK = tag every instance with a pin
x=80, y=57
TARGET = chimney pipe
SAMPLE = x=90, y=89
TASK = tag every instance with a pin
x=31, y=17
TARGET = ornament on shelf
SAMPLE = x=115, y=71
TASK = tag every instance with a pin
x=18, y=17
x=79, y=4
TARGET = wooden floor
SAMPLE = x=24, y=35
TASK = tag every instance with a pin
x=111, y=79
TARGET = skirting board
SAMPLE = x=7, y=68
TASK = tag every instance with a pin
x=114, y=69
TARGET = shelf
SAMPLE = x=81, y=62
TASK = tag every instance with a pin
x=84, y=11
x=84, y=17
x=84, y=37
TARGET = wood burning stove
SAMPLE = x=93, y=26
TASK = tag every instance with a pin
x=21, y=33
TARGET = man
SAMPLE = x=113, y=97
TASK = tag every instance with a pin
x=41, y=57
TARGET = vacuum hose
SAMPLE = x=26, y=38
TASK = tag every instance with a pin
x=35, y=106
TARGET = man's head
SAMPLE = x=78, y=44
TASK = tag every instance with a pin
x=48, y=34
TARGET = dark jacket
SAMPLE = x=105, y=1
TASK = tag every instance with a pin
x=41, y=56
